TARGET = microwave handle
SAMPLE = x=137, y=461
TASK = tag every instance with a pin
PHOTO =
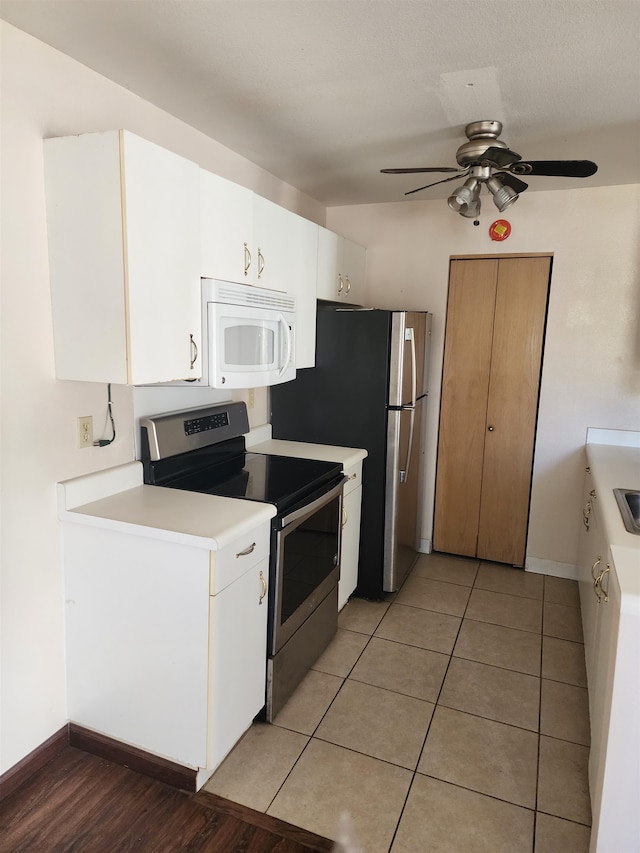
x=287, y=335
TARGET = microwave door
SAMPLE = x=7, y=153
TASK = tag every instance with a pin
x=288, y=346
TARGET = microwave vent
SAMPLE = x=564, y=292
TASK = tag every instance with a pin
x=244, y=294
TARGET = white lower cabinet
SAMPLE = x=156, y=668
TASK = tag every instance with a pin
x=613, y=677
x=238, y=655
x=166, y=642
x=350, y=549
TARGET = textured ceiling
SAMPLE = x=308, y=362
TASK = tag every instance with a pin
x=325, y=93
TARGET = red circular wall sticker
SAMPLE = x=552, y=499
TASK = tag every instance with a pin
x=500, y=229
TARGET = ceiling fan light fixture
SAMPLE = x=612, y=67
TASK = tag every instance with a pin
x=471, y=211
x=465, y=196
x=503, y=195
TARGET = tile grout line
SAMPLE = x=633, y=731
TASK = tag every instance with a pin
x=435, y=706
x=326, y=711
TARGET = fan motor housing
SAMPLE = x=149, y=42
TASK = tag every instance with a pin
x=481, y=135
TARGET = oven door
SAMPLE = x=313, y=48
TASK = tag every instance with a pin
x=305, y=563
x=249, y=347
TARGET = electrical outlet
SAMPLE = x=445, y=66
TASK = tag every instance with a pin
x=251, y=398
x=85, y=431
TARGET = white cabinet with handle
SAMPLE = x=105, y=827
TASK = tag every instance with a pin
x=122, y=219
x=609, y=581
x=341, y=268
x=165, y=639
x=242, y=235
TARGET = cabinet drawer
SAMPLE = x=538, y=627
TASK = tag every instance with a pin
x=354, y=475
x=234, y=560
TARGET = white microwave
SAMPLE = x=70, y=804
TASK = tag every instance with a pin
x=249, y=335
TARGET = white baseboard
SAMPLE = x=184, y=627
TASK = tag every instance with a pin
x=425, y=546
x=550, y=567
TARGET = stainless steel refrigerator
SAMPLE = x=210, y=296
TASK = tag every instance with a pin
x=368, y=389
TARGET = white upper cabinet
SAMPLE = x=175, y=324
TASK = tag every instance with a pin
x=302, y=266
x=122, y=218
x=341, y=269
x=242, y=235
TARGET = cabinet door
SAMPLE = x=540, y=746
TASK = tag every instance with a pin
x=351, y=511
x=612, y=760
x=226, y=230
x=238, y=636
x=591, y=555
x=302, y=276
x=329, y=286
x=160, y=191
x=122, y=220
x=353, y=270
x=270, y=244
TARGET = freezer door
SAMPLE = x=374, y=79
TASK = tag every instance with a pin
x=407, y=374
x=404, y=427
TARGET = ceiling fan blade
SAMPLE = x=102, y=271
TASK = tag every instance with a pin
x=499, y=157
x=555, y=168
x=414, y=171
x=443, y=181
x=513, y=182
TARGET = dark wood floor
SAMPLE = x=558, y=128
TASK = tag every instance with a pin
x=84, y=804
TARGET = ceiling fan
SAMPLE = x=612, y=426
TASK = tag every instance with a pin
x=485, y=159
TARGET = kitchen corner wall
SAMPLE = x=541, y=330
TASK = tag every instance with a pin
x=591, y=368
x=45, y=93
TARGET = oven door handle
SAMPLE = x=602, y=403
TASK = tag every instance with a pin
x=309, y=509
x=287, y=337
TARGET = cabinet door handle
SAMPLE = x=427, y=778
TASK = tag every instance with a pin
x=247, y=259
x=594, y=567
x=586, y=512
x=490, y=428
x=194, y=352
x=345, y=517
x=353, y=476
x=340, y=283
x=260, y=262
x=348, y=283
x=246, y=551
x=264, y=588
x=605, y=592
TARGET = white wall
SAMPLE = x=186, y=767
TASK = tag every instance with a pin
x=591, y=370
x=44, y=93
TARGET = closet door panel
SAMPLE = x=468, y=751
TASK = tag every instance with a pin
x=465, y=382
x=518, y=331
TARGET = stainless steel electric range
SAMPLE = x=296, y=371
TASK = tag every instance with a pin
x=204, y=450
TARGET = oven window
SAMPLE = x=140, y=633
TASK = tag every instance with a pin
x=250, y=345
x=310, y=555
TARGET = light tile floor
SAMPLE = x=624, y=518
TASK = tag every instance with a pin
x=451, y=717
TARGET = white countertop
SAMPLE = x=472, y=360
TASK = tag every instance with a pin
x=618, y=467
x=122, y=503
x=347, y=456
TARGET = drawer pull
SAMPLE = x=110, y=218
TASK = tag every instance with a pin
x=264, y=587
x=353, y=476
x=246, y=551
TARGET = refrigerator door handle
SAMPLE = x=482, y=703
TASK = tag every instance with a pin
x=404, y=472
x=409, y=336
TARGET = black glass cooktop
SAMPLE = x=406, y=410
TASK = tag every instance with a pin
x=280, y=480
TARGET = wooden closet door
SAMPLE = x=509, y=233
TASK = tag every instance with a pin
x=465, y=385
x=518, y=331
